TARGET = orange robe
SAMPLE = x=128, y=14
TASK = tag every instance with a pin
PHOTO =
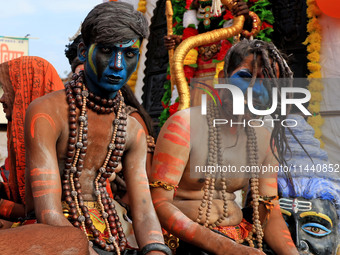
x=24, y=79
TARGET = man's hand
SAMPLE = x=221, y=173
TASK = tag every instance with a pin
x=240, y=8
x=171, y=41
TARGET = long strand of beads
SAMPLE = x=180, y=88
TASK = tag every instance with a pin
x=254, y=184
x=206, y=192
x=223, y=179
x=76, y=93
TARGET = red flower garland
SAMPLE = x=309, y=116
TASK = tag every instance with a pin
x=188, y=32
x=225, y=46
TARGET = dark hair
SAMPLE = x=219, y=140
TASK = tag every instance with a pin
x=270, y=57
x=71, y=52
x=111, y=22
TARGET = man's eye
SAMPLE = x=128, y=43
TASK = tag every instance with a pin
x=130, y=54
x=315, y=229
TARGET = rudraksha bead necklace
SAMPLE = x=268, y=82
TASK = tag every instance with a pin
x=214, y=158
x=78, y=96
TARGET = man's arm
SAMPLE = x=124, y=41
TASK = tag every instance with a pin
x=276, y=233
x=170, y=159
x=43, y=183
x=145, y=222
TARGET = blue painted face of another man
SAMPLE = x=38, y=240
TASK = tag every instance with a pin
x=312, y=224
x=241, y=78
x=109, y=67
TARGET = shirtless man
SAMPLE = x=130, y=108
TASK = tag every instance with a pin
x=88, y=118
x=201, y=212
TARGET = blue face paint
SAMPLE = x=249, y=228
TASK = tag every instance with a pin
x=108, y=68
x=242, y=79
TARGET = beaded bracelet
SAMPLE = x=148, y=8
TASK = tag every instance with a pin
x=156, y=247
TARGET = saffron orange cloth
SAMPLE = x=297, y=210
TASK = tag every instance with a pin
x=238, y=232
x=24, y=79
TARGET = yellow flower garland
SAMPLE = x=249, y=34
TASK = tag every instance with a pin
x=142, y=6
x=313, y=42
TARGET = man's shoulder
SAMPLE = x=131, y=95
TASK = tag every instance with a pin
x=48, y=102
x=182, y=115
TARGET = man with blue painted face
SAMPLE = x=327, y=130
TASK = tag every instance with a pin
x=77, y=139
x=198, y=167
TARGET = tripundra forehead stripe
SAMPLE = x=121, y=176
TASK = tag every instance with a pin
x=134, y=43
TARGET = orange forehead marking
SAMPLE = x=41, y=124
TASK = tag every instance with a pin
x=44, y=116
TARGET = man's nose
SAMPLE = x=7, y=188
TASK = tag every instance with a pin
x=117, y=61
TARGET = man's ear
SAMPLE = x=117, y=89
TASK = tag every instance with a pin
x=82, y=52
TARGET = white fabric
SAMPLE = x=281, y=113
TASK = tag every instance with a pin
x=330, y=63
x=190, y=17
x=134, y=3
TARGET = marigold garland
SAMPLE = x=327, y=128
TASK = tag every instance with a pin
x=313, y=42
x=141, y=6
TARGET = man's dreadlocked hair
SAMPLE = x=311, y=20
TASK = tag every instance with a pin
x=271, y=57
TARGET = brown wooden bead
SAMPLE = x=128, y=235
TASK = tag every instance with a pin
x=76, y=224
x=96, y=108
x=68, y=199
x=73, y=211
x=96, y=233
x=114, y=231
x=69, y=161
x=73, y=126
x=74, y=217
x=88, y=222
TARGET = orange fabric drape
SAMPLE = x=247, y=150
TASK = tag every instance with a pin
x=29, y=78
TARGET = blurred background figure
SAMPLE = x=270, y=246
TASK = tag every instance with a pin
x=23, y=80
